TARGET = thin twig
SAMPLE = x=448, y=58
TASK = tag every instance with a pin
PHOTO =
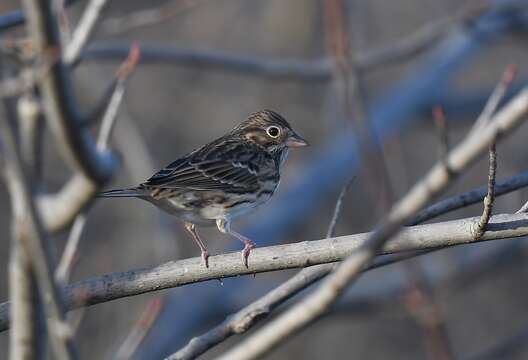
x=338, y=207
x=316, y=70
x=146, y=17
x=140, y=329
x=418, y=294
x=83, y=31
x=69, y=255
x=320, y=70
x=422, y=39
x=17, y=17
x=441, y=125
x=436, y=180
x=59, y=9
x=421, y=303
x=110, y=115
x=348, y=78
x=109, y=118
x=480, y=227
x=496, y=97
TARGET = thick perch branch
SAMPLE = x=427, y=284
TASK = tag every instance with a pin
x=297, y=255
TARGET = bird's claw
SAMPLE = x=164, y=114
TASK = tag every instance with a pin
x=245, y=253
x=205, y=257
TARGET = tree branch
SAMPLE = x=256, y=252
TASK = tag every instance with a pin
x=60, y=105
x=33, y=238
x=480, y=227
x=316, y=70
x=435, y=181
x=84, y=30
x=172, y=274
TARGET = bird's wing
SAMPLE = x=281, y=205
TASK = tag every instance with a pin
x=232, y=168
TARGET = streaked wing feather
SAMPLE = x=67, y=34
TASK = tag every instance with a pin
x=206, y=174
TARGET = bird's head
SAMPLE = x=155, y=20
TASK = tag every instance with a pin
x=269, y=130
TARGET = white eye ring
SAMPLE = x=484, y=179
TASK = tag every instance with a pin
x=273, y=131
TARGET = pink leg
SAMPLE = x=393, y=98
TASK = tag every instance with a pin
x=191, y=228
x=223, y=226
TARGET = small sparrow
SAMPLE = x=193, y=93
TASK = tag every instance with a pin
x=224, y=179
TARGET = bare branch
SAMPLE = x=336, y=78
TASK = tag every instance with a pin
x=317, y=70
x=435, y=181
x=421, y=39
x=296, y=255
x=110, y=115
x=495, y=98
x=59, y=103
x=149, y=16
x=140, y=329
x=17, y=17
x=25, y=338
x=83, y=31
x=32, y=237
x=69, y=255
x=337, y=208
x=480, y=227
x=469, y=198
x=60, y=209
x=441, y=124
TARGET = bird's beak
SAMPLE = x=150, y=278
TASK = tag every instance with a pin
x=295, y=140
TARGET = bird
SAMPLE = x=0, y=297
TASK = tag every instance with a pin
x=224, y=179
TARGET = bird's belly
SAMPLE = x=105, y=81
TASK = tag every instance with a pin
x=205, y=208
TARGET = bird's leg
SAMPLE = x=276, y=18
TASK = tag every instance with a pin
x=224, y=226
x=191, y=228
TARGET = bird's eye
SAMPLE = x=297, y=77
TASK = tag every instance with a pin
x=273, y=131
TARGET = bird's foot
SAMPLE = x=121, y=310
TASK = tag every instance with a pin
x=205, y=257
x=249, y=245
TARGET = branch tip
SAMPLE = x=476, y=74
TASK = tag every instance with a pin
x=439, y=116
x=130, y=63
x=509, y=75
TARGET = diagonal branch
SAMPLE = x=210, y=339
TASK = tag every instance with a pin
x=435, y=181
x=84, y=30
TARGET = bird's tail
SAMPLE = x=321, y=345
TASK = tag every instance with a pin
x=131, y=192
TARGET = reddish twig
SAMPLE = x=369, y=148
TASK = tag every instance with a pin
x=140, y=330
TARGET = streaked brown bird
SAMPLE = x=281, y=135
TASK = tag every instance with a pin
x=224, y=179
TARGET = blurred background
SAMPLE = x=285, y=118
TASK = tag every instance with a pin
x=475, y=293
